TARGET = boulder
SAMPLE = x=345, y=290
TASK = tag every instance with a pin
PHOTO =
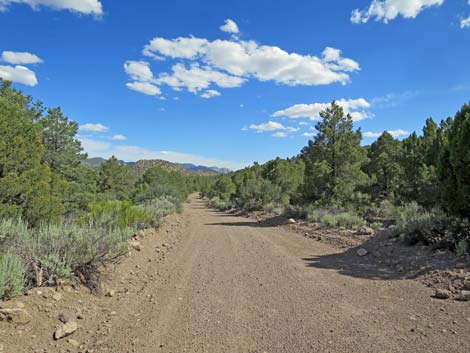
x=465, y=295
x=65, y=330
x=365, y=231
x=442, y=294
x=57, y=296
x=362, y=252
x=136, y=245
x=16, y=316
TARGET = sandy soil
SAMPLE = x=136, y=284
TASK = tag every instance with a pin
x=208, y=282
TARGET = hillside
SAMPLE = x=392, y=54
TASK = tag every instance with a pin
x=141, y=166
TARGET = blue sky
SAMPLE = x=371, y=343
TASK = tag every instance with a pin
x=245, y=80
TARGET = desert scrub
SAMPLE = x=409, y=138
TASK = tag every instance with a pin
x=160, y=207
x=413, y=224
x=335, y=218
x=119, y=214
x=274, y=208
x=220, y=204
x=58, y=251
x=12, y=276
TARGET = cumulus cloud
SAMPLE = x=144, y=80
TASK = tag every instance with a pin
x=465, y=23
x=197, y=78
x=210, y=93
x=21, y=58
x=118, y=137
x=87, y=7
x=230, y=27
x=18, y=74
x=357, y=108
x=309, y=134
x=394, y=133
x=387, y=10
x=279, y=134
x=138, y=70
x=94, y=127
x=203, y=64
x=272, y=126
x=144, y=87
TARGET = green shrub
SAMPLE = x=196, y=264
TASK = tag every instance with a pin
x=161, y=207
x=12, y=276
x=10, y=228
x=295, y=211
x=220, y=204
x=274, y=208
x=119, y=214
x=414, y=225
x=335, y=218
x=57, y=251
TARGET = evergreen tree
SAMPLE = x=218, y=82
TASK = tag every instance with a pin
x=115, y=180
x=384, y=168
x=333, y=160
x=25, y=179
x=455, y=164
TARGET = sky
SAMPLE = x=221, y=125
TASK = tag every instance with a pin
x=229, y=83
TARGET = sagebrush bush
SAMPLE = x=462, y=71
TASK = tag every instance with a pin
x=274, y=208
x=161, y=207
x=119, y=214
x=220, y=204
x=335, y=218
x=415, y=224
x=57, y=251
x=12, y=275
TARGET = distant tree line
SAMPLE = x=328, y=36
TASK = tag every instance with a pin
x=429, y=173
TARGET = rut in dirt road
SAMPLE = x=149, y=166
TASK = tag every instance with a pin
x=231, y=285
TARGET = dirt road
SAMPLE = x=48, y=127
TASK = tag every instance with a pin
x=229, y=285
x=212, y=282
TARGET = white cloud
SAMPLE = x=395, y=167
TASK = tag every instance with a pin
x=144, y=87
x=197, y=78
x=21, y=58
x=230, y=63
x=394, y=133
x=386, y=10
x=18, y=74
x=465, y=23
x=88, y=7
x=230, y=27
x=118, y=137
x=269, y=126
x=309, y=134
x=272, y=126
x=138, y=70
x=355, y=107
x=95, y=148
x=210, y=93
x=94, y=127
x=279, y=134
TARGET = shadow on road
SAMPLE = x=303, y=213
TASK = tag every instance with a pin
x=387, y=260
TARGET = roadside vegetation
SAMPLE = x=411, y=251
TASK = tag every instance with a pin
x=419, y=187
x=60, y=219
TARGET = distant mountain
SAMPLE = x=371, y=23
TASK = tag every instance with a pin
x=194, y=167
x=141, y=166
x=96, y=162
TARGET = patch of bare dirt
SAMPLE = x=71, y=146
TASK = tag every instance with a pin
x=437, y=269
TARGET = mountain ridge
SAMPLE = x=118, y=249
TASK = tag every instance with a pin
x=141, y=166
